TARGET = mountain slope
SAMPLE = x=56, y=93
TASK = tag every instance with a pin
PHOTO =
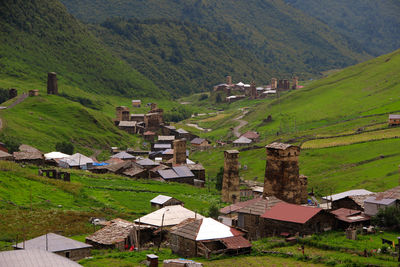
x=40, y=36
x=284, y=38
x=374, y=24
x=182, y=56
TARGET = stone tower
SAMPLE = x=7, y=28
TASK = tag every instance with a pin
x=295, y=83
x=122, y=113
x=286, y=84
x=230, y=181
x=274, y=83
x=253, y=90
x=282, y=178
x=280, y=84
x=52, y=88
x=179, y=151
x=228, y=80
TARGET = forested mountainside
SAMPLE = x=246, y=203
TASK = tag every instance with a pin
x=40, y=36
x=287, y=40
x=181, y=56
x=374, y=24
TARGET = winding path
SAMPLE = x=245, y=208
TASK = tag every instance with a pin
x=16, y=102
x=241, y=123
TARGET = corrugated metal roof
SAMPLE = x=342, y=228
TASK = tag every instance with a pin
x=394, y=116
x=147, y=162
x=182, y=131
x=355, y=192
x=237, y=206
x=77, y=159
x=349, y=215
x=127, y=123
x=168, y=174
x=291, y=213
x=212, y=229
x=242, y=140
x=34, y=258
x=183, y=171
x=197, y=141
x=123, y=155
x=55, y=155
x=55, y=243
x=382, y=201
x=162, y=146
x=160, y=199
x=166, y=138
x=173, y=215
x=236, y=242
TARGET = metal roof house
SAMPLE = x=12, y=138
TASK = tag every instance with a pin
x=207, y=236
x=34, y=258
x=180, y=174
x=58, y=244
x=161, y=201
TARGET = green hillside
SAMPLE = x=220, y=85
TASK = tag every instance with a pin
x=339, y=121
x=374, y=24
x=41, y=36
x=180, y=57
x=284, y=38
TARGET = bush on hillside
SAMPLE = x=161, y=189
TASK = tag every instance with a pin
x=65, y=147
x=3, y=95
x=178, y=114
x=11, y=143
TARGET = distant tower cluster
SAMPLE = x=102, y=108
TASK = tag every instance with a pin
x=231, y=181
x=52, y=88
x=282, y=178
x=179, y=151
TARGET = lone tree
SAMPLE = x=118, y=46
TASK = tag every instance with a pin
x=65, y=147
x=219, y=177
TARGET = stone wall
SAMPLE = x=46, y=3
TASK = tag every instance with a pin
x=75, y=254
x=251, y=223
x=230, y=182
x=347, y=203
x=182, y=246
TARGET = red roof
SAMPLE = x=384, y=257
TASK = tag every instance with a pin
x=149, y=133
x=291, y=213
x=251, y=135
x=350, y=216
x=236, y=242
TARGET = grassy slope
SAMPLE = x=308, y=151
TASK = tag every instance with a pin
x=85, y=196
x=341, y=104
x=41, y=36
x=286, y=39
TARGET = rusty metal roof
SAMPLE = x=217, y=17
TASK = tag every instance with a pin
x=349, y=215
x=234, y=207
x=116, y=230
x=236, y=242
x=291, y=213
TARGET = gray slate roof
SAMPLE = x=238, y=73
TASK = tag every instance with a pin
x=160, y=199
x=34, y=258
x=123, y=155
x=55, y=243
x=394, y=116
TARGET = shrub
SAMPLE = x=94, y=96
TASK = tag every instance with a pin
x=219, y=177
x=65, y=147
x=388, y=218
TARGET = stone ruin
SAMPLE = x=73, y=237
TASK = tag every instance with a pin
x=179, y=151
x=55, y=174
x=282, y=178
x=52, y=88
x=231, y=181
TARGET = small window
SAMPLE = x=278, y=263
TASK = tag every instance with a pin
x=67, y=254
